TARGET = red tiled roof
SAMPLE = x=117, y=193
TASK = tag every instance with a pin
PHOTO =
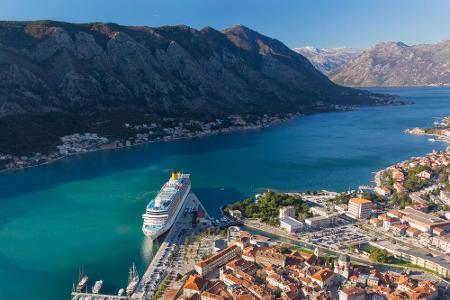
x=195, y=282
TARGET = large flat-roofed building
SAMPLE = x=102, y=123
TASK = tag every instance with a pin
x=290, y=224
x=218, y=260
x=320, y=221
x=423, y=221
x=360, y=208
x=288, y=211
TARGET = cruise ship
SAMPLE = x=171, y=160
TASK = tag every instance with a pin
x=162, y=211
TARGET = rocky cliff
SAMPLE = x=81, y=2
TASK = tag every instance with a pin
x=397, y=64
x=58, y=78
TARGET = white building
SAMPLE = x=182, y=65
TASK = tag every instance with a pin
x=320, y=221
x=290, y=224
x=360, y=208
x=288, y=211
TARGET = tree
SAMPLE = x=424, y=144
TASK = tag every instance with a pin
x=378, y=255
x=401, y=199
x=268, y=206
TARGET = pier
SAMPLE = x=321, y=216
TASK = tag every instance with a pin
x=175, y=236
x=92, y=296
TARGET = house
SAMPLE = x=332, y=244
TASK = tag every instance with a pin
x=388, y=222
x=399, y=229
x=324, y=277
x=424, y=175
x=352, y=293
x=195, y=284
x=412, y=232
x=398, y=187
x=376, y=222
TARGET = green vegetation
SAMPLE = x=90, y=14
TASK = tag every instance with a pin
x=162, y=287
x=379, y=255
x=443, y=177
x=267, y=207
x=401, y=200
x=343, y=198
x=412, y=181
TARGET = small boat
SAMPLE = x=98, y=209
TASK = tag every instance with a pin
x=82, y=280
x=432, y=140
x=120, y=292
x=133, y=280
x=82, y=283
x=97, y=286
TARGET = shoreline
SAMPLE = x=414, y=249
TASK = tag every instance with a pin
x=162, y=140
x=231, y=129
x=439, y=137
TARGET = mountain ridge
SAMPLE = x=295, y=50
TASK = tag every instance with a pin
x=328, y=60
x=82, y=75
x=397, y=64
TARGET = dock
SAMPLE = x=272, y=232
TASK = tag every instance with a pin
x=92, y=296
x=175, y=235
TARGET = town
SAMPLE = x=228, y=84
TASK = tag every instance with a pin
x=386, y=241
x=137, y=134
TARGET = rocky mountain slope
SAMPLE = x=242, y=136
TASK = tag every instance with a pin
x=397, y=64
x=328, y=60
x=59, y=78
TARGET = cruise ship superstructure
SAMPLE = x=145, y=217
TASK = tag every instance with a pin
x=161, y=212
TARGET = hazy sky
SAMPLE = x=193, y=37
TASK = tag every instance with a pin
x=332, y=23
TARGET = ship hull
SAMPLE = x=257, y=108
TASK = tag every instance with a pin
x=155, y=234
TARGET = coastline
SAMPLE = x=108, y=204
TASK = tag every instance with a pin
x=261, y=123
x=439, y=137
x=166, y=139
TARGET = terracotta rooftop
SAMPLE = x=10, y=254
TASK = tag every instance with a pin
x=360, y=200
x=323, y=274
x=353, y=290
x=195, y=282
x=217, y=256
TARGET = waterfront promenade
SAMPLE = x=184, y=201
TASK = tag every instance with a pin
x=181, y=227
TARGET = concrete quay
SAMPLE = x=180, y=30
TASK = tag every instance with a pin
x=156, y=271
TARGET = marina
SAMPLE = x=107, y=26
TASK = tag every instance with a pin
x=145, y=287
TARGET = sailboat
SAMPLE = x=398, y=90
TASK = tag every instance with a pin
x=133, y=280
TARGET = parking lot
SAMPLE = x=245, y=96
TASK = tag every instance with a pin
x=338, y=237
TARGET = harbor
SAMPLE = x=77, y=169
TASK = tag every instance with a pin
x=190, y=214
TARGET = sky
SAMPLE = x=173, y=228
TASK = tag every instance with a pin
x=297, y=23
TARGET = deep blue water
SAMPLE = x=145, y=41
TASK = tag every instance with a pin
x=86, y=210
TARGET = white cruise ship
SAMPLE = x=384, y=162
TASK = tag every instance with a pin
x=162, y=211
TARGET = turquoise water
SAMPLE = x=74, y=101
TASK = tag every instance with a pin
x=86, y=210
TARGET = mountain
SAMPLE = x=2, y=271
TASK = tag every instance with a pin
x=397, y=64
x=58, y=78
x=328, y=60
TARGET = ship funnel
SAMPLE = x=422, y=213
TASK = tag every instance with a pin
x=174, y=175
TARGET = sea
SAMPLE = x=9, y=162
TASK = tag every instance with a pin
x=85, y=211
